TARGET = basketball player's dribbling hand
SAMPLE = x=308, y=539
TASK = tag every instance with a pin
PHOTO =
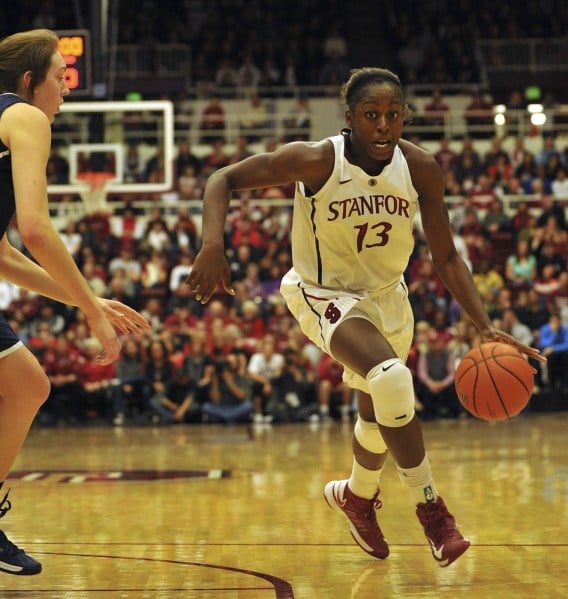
x=494, y=334
x=209, y=269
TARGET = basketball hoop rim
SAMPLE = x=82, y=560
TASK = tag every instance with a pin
x=95, y=179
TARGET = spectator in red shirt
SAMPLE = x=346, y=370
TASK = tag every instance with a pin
x=61, y=364
x=127, y=227
x=216, y=159
x=213, y=121
x=330, y=382
x=521, y=217
x=445, y=156
x=482, y=192
x=478, y=115
x=246, y=231
x=435, y=111
x=42, y=341
x=495, y=153
x=96, y=382
x=251, y=324
x=422, y=272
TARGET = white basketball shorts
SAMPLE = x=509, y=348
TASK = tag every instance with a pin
x=319, y=311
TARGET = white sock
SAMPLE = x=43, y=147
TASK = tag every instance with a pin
x=364, y=482
x=324, y=409
x=420, y=482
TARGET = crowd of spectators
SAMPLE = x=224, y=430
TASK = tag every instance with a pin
x=269, y=43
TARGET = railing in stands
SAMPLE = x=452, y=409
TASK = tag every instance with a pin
x=62, y=212
x=451, y=124
x=521, y=54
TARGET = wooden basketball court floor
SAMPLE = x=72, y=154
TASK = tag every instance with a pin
x=213, y=512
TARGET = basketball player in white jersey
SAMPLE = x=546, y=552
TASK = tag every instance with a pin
x=355, y=201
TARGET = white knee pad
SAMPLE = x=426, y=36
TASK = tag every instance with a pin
x=369, y=436
x=392, y=391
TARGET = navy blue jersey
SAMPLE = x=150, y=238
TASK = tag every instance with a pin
x=7, y=202
x=8, y=339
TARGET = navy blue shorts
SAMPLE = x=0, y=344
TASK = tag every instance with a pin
x=9, y=341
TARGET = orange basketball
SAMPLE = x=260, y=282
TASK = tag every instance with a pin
x=494, y=381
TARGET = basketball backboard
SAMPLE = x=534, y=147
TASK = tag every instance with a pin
x=133, y=141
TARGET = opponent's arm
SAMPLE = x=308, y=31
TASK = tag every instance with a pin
x=26, y=131
x=23, y=272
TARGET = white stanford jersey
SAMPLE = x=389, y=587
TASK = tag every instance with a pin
x=356, y=232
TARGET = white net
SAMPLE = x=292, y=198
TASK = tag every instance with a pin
x=94, y=191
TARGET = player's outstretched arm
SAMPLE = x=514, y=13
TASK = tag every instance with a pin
x=296, y=161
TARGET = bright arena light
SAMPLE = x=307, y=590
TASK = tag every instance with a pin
x=538, y=118
x=534, y=108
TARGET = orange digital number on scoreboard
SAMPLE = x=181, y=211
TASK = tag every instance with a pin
x=72, y=78
x=74, y=45
x=71, y=46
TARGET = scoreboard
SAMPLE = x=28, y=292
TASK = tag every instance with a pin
x=75, y=47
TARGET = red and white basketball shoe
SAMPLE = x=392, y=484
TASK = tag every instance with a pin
x=446, y=541
x=362, y=517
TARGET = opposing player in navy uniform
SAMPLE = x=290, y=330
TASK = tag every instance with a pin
x=32, y=88
x=356, y=197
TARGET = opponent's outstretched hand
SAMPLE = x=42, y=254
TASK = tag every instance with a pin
x=494, y=334
x=123, y=318
x=209, y=269
x=114, y=318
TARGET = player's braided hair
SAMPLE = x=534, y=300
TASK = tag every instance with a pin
x=359, y=79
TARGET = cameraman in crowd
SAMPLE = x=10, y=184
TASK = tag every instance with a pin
x=229, y=393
